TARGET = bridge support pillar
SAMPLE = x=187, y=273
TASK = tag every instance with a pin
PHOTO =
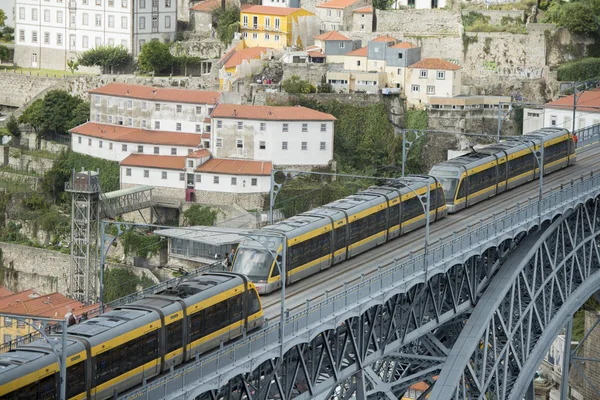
x=361, y=390
x=530, y=394
x=564, y=384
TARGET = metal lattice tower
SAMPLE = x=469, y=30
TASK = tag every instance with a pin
x=85, y=214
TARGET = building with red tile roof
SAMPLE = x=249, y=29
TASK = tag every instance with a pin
x=336, y=15
x=435, y=63
x=273, y=113
x=157, y=94
x=236, y=167
x=337, y=4
x=432, y=77
x=364, y=10
x=5, y=292
x=331, y=35
x=362, y=52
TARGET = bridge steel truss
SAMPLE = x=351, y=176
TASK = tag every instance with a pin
x=376, y=338
x=525, y=308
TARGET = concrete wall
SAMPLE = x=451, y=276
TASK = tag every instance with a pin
x=20, y=161
x=497, y=15
x=361, y=99
x=17, y=89
x=311, y=72
x=419, y=22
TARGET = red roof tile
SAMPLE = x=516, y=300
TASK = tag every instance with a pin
x=245, y=54
x=200, y=153
x=52, y=305
x=20, y=296
x=362, y=52
x=236, y=167
x=332, y=35
x=206, y=6
x=5, y=292
x=435, y=63
x=316, y=54
x=154, y=161
x=589, y=101
x=404, y=45
x=384, y=38
x=136, y=135
x=364, y=10
x=274, y=113
x=155, y=93
x=206, y=136
x=337, y=4
x=269, y=10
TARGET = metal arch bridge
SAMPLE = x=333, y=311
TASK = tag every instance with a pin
x=407, y=324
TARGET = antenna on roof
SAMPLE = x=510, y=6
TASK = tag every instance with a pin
x=473, y=149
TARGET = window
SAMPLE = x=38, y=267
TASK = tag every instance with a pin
x=85, y=42
x=262, y=145
x=21, y=12
x=219, y=142
x=329, y=13
x=156, y=124
x=285, y=127
x=142, y=23
x=198, y=109
x=120, y=121
x=339, y=13
x=423, y=73
x=415, y=88
x=34, y=37
x=8, y=322
x=97, y=117
x=129, y=104
x=142, y=42
x=21, y=35
x=553, y=120
x=89, y=142
x=304, y=146
x=110, y=146
x=399, y=56
x=198, y=128
x=156, y=150
x=240, y=143
x=178, y=108
x=441, y=74
x=430, y=89
x=181, y=176
x=100, y=144
x=111, y=21
x=123, y=22
x=254, y=181
x=240, y=125
x=173, y=151
x=59, y=39
x=111, y=3
x=342, y=45
x=123, y=3
x=255, y=35
x=124, y=147
x=277, y=38
x=233, y=181
x=198, y=178
x=322, y=146
x=98, y=41
x=167, y=21
x=144, y=123
x=190, y=163
x=128, y=172
x=46, y=15
x=219, y=124
x=304, y=127
x=163, y=175
x=267, y=22
x=323, y=127
x=167, y=3
x=284, y=145
x=46, y=37
x=34, y=14
x=178, y=126
x=376, y=49
x=110, y=119
x=98, y=2
x=140, y=149
x=59, y=17
x=245, y=21
x=216, y=180
x=98, y=20
x=362, y=26
x=358, y=63
x=146, y=173
x=263, y=126
x=157, y=107
x=267, y=36
x=79, y=140
x=142, y=4
x=85, y=19
x=277, y=24
x=124, y=43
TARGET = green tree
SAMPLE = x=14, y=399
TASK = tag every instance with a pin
x=4, y=53
x=8, y=33
x=199, y=215
x=120, y=282
x=58, y=111
x=34, y=116
x=182, y=58
x=12, y=126
x=296, y=85
x=577, y=17
x=73, y=65
x=2, y=17
x=79, y=115
x=106, y=57
x=154, y=57
x=382, y=4
x=228, y=23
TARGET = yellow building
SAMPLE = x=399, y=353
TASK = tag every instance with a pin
x=240, y=62
x=277, y=27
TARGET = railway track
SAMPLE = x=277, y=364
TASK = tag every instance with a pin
x=314, y=288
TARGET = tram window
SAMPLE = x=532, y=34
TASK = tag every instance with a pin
x=440, y=197
x=367, y=226
x=214, y=318
x=235, y=307
x=394, y=215
x=556, y=151
x=521, y=165
x=309, y=250
x=275, y=272
x=196, y=326
x=76, y=374
x=412, y=209
x=502, y=172
x=340, y=238
x=461, y=189
x=254, y=302
x=174, y=336
x=482, y=180
x=44, y=389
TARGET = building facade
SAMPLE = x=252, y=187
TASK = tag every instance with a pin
x=337, y=15
x=277, y=27
x=362, y=19
x=431, y=77
x=335, y=45
x=295, y=136
x=151, y=108
x=48, y=33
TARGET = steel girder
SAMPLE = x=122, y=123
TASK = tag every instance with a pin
x=380, y=353
x=524, y=309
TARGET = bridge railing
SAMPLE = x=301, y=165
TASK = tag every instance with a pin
x=217, y=367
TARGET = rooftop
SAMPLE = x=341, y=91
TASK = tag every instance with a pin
x=332, y=35
x=236, y=167
x=272, y=113
x=245, y=54
x=337, y=4
x=129, y=134
x=364, y=10
x=206, y=6
x=5, y=292
x=384, y=38
x=154, y=161
x=268, y=10
x=20, y=296
x=317, y=54
x=435, y=63
x=588, y=101
x=362, y=52
x=404, y=45
x=155, y=93
x=206, y=234
x=200, y=153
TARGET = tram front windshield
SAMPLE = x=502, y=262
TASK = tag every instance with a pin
x=255, y=264
x=449, y=186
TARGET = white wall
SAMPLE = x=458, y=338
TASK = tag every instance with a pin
x=564, y=118
x=263, y=183
x=117, y=153
x=418, y=4
x=154, y=177
x=273, y=136
x=447, y=87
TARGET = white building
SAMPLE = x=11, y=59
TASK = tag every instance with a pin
x=560, y=113
x=115, y=143
x=283, y=135
x=151, y=108
x=419, y=4
x=432, y=77
x=50, y=32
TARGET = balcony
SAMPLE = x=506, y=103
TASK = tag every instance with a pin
x=265, y=28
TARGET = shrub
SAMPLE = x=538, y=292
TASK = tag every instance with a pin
x=296, y=85
x=581, y=70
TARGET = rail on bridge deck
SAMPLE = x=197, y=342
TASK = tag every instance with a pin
x=125, y=200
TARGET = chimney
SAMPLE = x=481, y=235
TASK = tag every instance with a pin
x=127, y=91
x=153, y=91
x=234, y=112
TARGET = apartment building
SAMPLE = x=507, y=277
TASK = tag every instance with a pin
x=292, y=136
x=337, y=15
x=152, y=108
x=48, y=33
x=432, y=77
x=335, y=45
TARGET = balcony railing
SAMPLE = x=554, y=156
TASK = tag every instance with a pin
x=268, y=28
